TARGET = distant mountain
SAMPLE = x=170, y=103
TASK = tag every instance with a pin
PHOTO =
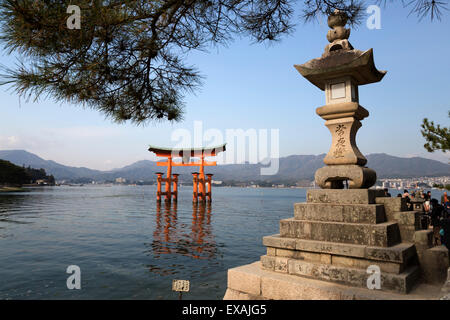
x=59, y=171
x=141, y=170
x=292, y=168
x=390, y=166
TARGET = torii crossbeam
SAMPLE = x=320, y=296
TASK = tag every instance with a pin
x=199, y=181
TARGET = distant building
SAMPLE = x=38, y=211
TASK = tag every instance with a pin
x=121, y=180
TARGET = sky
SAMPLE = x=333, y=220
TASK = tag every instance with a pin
x=255, y=87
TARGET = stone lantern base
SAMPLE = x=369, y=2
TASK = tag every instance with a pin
x=326, y=249
x=332, y=177
x=251, y=282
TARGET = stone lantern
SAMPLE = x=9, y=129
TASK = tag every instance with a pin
x=353, y=244
x=339, y=72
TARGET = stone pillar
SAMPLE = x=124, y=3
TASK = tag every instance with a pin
x=344, y=160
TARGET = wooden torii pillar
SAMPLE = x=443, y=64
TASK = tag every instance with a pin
x=202, y=185
x=171, y=187
x=199, y=181
x=209, y=180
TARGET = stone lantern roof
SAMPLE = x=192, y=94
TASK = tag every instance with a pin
x=340, y=59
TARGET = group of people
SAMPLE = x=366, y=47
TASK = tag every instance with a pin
x=436, y=212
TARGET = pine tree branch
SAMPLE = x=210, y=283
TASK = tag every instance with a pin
x=437, y=137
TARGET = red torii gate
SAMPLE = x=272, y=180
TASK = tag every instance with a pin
x=199, y=181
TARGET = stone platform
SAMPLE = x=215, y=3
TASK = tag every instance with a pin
x=328, y=246
x=251, y=282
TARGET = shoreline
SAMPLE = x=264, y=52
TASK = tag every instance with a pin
x=12, y=189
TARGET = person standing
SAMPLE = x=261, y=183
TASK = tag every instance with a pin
x=444, y=198
x=427, y=203
x=408, y=200
x=405, y=194
x=427, y=207
x=436, y=214
x=445, y=201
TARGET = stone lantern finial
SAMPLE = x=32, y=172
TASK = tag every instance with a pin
x=338, y=35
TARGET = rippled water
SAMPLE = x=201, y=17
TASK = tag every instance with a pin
x=126, y=246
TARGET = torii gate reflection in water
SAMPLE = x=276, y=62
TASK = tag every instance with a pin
x=199, y=180
x=170, y=237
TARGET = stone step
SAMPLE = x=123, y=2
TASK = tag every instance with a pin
x=408, y=221
x=423, y=239
x=343, y=196
x=339, y=260
x=407, y=233
x=435, y=262
x=384, y=234
x=401, y=283
x=350, y=213
x=251, y=282
x=392, y=204
x=399, y=253
x=407, y=218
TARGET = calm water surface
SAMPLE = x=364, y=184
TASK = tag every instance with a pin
x=129, y=248
x=126, y=246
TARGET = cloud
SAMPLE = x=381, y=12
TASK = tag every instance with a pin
x=90, y=146
x=18, y=142
x=9, y=141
